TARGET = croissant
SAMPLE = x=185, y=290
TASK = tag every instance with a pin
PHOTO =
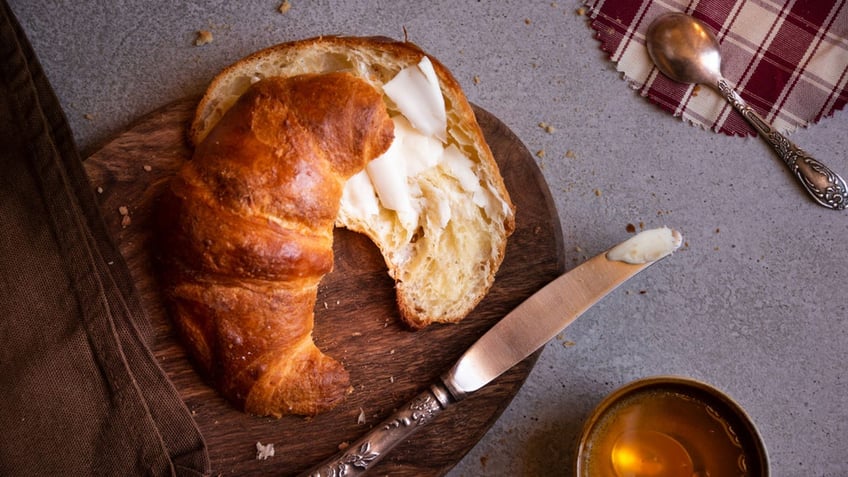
x=245, y=235
x=438, y=208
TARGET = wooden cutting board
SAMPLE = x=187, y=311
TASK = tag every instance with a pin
x=356, y=320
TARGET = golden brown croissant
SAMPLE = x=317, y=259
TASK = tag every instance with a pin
x=436, y=206
x=245, y=235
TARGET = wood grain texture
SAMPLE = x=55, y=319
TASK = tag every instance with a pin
x=356, y=320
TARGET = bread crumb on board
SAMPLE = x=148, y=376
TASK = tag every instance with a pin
x=125, y=216
x=264, y=451
x=203, y=37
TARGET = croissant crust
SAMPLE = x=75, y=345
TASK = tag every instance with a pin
x=244, y=233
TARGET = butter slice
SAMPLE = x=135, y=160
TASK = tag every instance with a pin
x=648, y=246
x=418, y=96
x=359, y=195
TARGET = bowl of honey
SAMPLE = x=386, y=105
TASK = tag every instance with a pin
x=669, y=426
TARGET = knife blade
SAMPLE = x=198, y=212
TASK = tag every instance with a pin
x=515, y=337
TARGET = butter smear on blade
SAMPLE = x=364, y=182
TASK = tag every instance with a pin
x=648, y=246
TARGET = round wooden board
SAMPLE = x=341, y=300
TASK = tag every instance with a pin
x=356, y=319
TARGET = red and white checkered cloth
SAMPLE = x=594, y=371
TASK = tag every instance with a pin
x=787, y=59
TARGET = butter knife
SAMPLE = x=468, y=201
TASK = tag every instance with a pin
x=515, y=337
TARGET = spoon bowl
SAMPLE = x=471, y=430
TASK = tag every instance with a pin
x=686, y=50
x=675, y=40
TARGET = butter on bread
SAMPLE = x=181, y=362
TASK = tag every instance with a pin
x=435, y=204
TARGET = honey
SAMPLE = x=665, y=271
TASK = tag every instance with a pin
x=669, y=432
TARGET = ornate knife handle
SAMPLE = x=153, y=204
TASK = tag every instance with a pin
x=824, y=185
x=360, y=456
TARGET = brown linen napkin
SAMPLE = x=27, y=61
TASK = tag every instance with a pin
x=80, y=391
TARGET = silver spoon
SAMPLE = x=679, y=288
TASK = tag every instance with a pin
x=685, y=50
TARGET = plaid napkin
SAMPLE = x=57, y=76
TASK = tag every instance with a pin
x=788, y=60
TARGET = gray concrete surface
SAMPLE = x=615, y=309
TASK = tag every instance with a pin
x=755, y=303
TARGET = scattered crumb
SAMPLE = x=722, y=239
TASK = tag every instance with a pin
x=264, y=451
x=547, y=127
x=568, y=344
x=476, y=79
x=484, y=460
x=696, y=89
x=88, y=116
x=285, y=7
x=147, y=168
x=642, y=292
x=570, y=154
x=203, y=37
x=718, y=230
x=540, y=153
x=581, y=11
x=630, y=228
x=360, y=419
x=578, y=248
x=641, y=225
x=527, y=21
x=598, y=192
x=123, y=210
x=126, y=221
x=99, y=190
x=392, y=379
x=344, y=445
x=326, y=306
x=356, y=333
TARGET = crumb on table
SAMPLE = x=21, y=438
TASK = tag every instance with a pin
x=203, y=37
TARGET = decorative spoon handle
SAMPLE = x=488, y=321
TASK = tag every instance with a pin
x=370, y=449
x=824, y=185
